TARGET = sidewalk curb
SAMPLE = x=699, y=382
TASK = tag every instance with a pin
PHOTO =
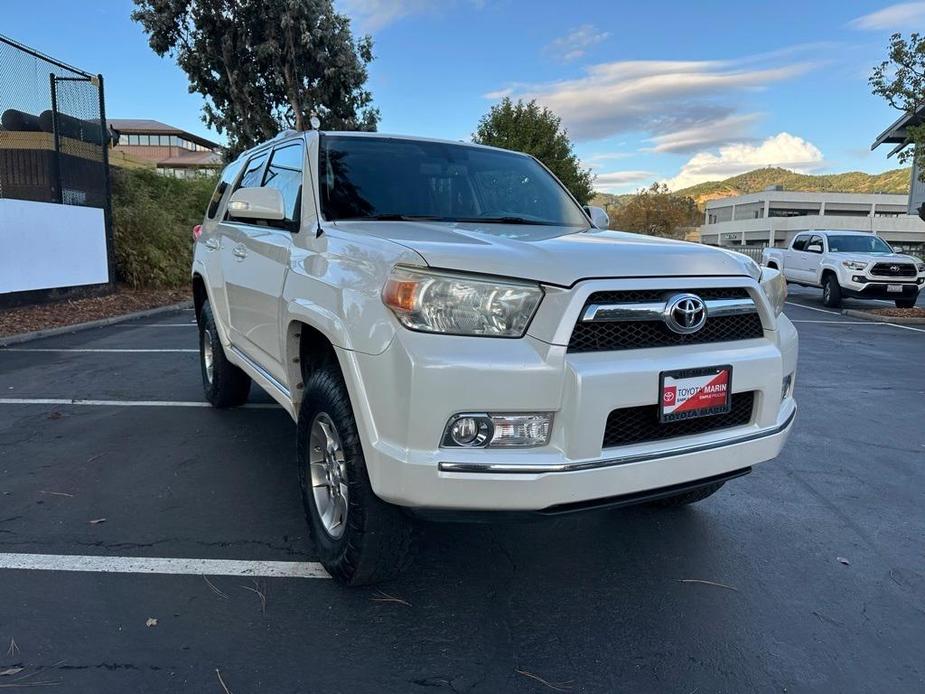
x=865, y=315
x=6, y=341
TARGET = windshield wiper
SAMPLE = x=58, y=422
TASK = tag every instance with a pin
x=506, y=220
x=393, y=217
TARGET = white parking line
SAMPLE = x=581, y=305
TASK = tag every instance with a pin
x=107, y=351
x=813, y=308
x=165, y=325
x=834, y=322
x=162, y=565
x=128, y=403
x=905, y=327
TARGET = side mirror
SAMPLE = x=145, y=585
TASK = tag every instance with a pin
x=599, y=218
x=257, y=203
x=814, y=248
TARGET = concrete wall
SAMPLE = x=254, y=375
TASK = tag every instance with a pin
x=758, y=231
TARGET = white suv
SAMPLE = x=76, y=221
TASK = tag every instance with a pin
x=453, y=334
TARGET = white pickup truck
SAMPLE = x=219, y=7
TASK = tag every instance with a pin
x=453, y=333
x=854, y=264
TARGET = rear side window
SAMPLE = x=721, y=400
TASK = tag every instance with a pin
x=800, y=243
x=284, y=173
x=228, y=176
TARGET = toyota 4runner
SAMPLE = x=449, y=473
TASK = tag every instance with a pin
x=454, y=333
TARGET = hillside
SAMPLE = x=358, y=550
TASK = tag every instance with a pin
x=894, y=181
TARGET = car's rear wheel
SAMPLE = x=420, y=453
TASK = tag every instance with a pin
x=831, y=292
x=360, y=539
x=225, y=385
x=905, y=303
x=690, y=497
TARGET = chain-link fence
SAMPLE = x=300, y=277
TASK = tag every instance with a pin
x=54, y=139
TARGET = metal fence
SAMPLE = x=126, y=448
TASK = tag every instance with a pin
x=54, y=140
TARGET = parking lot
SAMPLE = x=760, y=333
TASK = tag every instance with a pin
x=807, y=575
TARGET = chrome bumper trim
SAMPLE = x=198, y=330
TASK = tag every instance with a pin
x=655, y=310
x=540, y=468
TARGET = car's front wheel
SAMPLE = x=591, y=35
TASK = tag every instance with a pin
x=360, y=539
x=831, y=292
x=905, y=303
x=225, y=385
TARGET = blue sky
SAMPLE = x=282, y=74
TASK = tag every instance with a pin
x=675, y=91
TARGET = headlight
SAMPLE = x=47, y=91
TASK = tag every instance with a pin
x=920, y=267
x=853, y=264
x=458, y=304
x=775, y=288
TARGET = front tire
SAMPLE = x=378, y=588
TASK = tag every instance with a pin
x=225, y=385
x=690, y=497
x=831, y=292
x=905, y=303
x=360, y=539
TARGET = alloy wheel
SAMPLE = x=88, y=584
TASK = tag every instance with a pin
x=328, y=475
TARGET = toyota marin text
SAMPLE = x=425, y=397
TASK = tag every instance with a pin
x=456, y=336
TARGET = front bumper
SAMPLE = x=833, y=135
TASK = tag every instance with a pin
x=403, y=398
x=863, y=285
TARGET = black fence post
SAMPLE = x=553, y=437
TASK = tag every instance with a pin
x=56, y=162
x=107, y=183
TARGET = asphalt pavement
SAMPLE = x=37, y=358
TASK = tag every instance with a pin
x=806, y=576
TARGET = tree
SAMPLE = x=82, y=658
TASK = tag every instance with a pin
x=656, y=211
x=265, y=65
x=537, y=131
x=901, y=81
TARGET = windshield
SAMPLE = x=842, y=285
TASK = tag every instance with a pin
x=388, y=179
x=858, y=244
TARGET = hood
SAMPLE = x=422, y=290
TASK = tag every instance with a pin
x=554, y=255
x=877, y=257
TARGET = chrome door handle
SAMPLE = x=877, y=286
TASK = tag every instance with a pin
x=212, y=244
x=239, y=252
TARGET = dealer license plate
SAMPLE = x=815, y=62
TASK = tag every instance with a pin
x=894, y=288
x=694, y=393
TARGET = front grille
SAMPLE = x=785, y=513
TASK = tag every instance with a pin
x=605, y=336
x=887, y=270
x=630, y=425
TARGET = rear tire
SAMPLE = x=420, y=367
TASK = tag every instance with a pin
x=225, y=385
x=905, y=303
x=690, y=497
x=361, y=540
x=831, y=292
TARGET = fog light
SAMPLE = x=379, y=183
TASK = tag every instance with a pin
x=468, y=430
x=859, y=278
x=786, y=386
x=497, y=430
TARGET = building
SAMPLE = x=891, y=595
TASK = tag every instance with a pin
x=172, y=151
x=774, y=216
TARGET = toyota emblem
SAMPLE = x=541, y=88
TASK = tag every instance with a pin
x=894, y=268
x=685, y=313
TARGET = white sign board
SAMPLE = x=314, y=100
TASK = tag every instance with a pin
x=45, y=246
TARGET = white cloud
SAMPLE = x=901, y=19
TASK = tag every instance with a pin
x=784, y=150
x=621, y=181
x=702, y=135
x=372, y=15
x=899, y=16
x=576, y=43
x=656, y=96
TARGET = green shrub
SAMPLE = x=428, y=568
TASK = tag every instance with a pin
x=153, y=217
